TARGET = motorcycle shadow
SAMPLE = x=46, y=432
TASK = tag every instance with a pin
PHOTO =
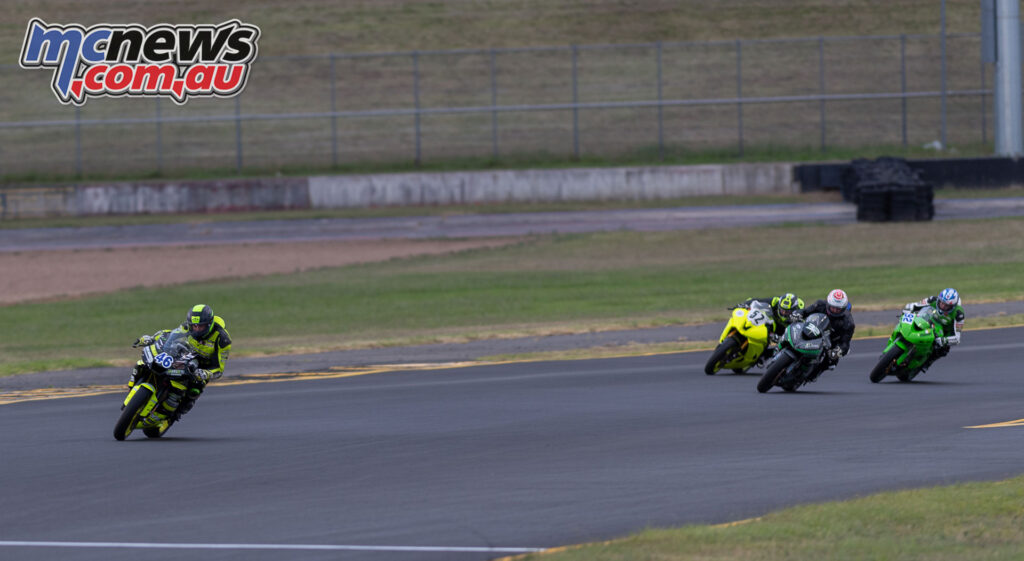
x=181, y=439
x=915, y=382
x=805, y=392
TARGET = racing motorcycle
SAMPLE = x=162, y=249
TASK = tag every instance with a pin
x=166, y=363
x=744, y=339
x=910, y=345
x=803, y=347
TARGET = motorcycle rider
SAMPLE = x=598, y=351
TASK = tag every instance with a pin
x=783, y=309
x=950, y=317
x=209, y=338
x=840, y=318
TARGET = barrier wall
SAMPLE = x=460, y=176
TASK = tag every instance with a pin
x=396, y=189
x=961, y=173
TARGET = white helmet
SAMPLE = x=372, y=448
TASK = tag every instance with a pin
x=837, y=302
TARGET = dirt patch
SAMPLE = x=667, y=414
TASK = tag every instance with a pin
x=43, y=275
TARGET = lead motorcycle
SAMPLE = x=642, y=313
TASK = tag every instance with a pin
x=166, y=363
x=910, y=345
x=803, y=347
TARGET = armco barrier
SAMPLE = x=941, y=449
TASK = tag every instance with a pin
x=396, y=189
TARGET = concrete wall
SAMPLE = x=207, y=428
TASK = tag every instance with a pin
x=397, y=189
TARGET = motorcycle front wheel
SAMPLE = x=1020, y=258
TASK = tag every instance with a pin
x=722, y=354
x=130, y=414
x=775, y=369
x=885, y=364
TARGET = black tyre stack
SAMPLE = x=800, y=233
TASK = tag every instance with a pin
x=887, y=189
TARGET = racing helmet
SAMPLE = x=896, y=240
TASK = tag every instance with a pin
x=786, y=304
x=836, y=303
x=948, y=300
x=199, y=321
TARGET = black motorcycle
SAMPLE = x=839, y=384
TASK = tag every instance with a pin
x=166, y=363
x=802, y=350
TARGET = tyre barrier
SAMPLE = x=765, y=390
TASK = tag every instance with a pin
x=894, y=202
x=887, y=189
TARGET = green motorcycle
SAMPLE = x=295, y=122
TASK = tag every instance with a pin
x=910, y=346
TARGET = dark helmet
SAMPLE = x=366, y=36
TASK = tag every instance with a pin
x=836, y=303
x=786, y=304
x=199, y=321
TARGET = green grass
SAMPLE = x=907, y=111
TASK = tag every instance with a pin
x=963, y=522
x=551, y=284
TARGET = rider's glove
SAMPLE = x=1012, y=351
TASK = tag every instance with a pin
x=143, y=341
x=202, y=376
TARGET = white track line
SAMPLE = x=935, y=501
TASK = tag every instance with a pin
x=270, y=546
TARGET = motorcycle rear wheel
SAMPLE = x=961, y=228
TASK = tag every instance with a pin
x=721, y=355
x=885, y=364
x=130, y=415
x=157, y=431
x=775, y=369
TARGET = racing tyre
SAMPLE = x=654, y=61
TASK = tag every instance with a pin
x=775, y=369
x=722, y=354
x=885, y=364
x=130, y=415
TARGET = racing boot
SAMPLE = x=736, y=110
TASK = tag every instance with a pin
x=187, y=402
x=766, y=356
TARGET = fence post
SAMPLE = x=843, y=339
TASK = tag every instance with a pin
x=903, y=87
x=78, y=141
x=821, y=88
x=661, y=123
x=238, y=134
x=739, y=94
x=494, y=103
x=334, y=117
x=159, y=139
x=416, y=99
x=575, y=106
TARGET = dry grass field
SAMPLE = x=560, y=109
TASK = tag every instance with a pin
x=699, y=61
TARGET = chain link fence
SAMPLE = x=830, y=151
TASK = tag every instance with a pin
x=646, y=101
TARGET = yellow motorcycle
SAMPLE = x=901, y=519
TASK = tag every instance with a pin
x=744, y=339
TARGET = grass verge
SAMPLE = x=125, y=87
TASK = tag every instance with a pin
x=966, y=522
x=556, y=284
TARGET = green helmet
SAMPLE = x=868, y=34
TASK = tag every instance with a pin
x=199, y=321
x=786, y=304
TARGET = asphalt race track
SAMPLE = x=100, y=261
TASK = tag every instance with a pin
x=419, y=464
